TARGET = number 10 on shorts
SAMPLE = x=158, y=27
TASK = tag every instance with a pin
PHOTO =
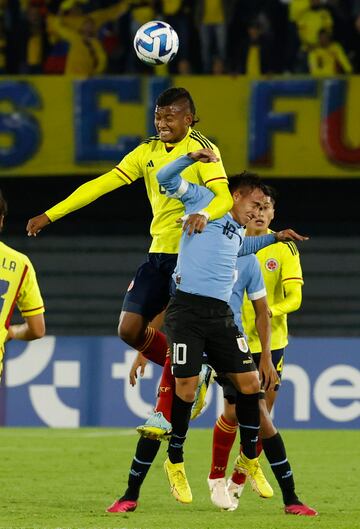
x=179, y=352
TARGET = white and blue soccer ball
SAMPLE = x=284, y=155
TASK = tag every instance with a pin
x=156, y=42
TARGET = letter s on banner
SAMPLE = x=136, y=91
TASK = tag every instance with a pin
x=21, y=126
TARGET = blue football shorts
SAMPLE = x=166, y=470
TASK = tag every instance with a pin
x=148, y=292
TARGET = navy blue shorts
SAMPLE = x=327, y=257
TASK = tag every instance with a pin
x=277, y=356
x=148, y=292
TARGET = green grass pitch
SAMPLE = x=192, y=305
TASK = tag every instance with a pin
x=64, y=479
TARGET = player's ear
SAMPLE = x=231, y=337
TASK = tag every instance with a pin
x=1, y=222
x=189, y=119
x=236, y=195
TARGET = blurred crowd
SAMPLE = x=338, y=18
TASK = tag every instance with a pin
x=253, y=37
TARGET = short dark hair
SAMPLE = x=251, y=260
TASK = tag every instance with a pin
x=3, y=205
x=272, y=193
x=171, y=95
x=248, y=181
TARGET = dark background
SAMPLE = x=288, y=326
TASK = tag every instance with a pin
x=317, y=207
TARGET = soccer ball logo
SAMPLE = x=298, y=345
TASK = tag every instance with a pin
x=156, y=42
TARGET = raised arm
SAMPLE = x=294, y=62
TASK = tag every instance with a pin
x=254, y=244
x=169, y=177
x=217, y=182
x=176, y=187
x=64, y=32
x=107, y=14
x=218, y=206
x=82, y=196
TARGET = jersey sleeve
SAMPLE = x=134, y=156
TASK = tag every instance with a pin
x=291, y=301
x=170, y=179
x=254, y=244
x=213, y=172
x=235, y=305
x=222, y=201
x=87, y=193
x=29, y=301
x=131, y=166
x=213, y=175
x=256, y=286
x=291, y=267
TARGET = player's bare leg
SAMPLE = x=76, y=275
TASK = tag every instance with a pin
x=135, y=330
x=132, y=328
x=270, y=397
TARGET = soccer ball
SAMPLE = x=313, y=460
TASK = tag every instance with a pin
x=156, y=42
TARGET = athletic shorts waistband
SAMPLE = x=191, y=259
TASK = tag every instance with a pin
x=195, y=299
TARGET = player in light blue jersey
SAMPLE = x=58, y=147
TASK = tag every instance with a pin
x=249, y=279
x=199, y=318
x=226, y=494
x=192, y=271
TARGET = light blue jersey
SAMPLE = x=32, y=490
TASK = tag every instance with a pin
x=249, y=279
x=206, y=262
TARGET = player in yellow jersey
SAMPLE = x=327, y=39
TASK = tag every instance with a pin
x=281, y=269
x=147, y=296
x=18, y=286
x=148, y=292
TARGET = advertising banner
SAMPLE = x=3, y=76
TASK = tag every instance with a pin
x=71, y=382
x=280, y=127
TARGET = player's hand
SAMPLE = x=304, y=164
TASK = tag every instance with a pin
x=267, y=372
x=139, y=362
x=36, y=224
x=204, y=156
x=289, y=235
x=194, y=223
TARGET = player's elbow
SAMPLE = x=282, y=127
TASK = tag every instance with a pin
x=293, y=297
x=38, y=332
x=293, y=306
x=36, y=327
x=296, y=305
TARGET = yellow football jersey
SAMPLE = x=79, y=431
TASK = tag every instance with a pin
x=144, y=162
x=18, y=286
x=280, y=264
